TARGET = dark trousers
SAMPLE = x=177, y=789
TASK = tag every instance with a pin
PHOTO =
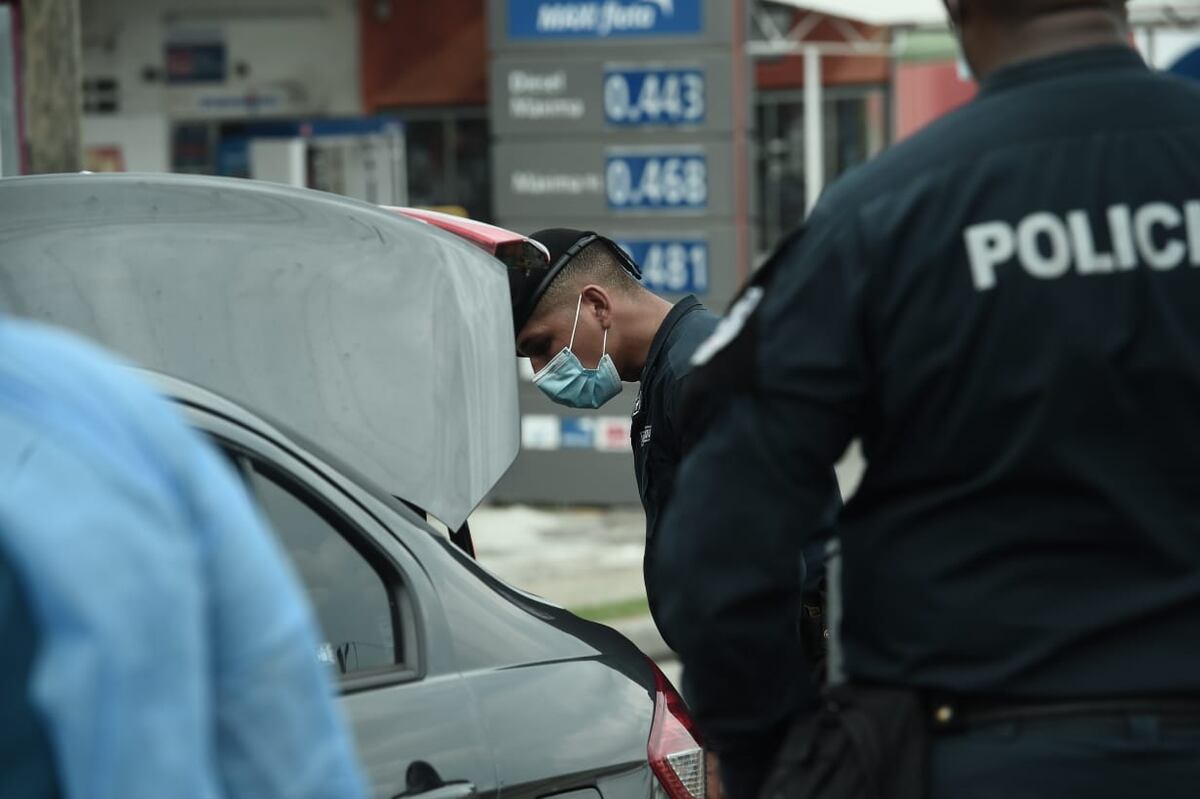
x=1119, y=757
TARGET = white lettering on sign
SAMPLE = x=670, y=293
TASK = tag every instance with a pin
x=541, y=108
x=534, y=96
x=568, y=17
x=535, y=183
x=603, y=18
x=1160, y=236
x=522, y=82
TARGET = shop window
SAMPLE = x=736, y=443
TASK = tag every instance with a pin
x=448, y=156
x=854, y=131
x=101, y=96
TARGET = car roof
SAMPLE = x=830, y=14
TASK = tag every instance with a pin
x=385, y=341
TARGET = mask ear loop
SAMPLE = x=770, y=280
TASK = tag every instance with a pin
x=578, y=307
x=571, y=346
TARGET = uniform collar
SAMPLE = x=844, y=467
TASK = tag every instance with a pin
x=681, y=309
x=1113, y=57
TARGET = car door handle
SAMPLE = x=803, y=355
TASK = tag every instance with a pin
x=422, y=780
x=451, y=790
x=448, y=791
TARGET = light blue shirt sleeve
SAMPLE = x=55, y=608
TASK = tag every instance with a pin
x=178, y=653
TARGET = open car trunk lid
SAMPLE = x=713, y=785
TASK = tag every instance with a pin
x=386, y=341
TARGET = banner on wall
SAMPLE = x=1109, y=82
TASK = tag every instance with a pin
x=104, y=158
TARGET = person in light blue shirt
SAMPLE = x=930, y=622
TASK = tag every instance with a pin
x=160, y=643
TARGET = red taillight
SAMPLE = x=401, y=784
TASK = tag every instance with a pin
x=675, y=750
x=515, y=250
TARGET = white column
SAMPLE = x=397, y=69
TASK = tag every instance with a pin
x=814, y=126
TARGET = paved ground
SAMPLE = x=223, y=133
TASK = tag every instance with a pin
x=576, y=558
x=586, y=557
x=579, y=557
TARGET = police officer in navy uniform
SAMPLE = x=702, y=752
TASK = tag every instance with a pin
x=588, y=325
x=1005, y=308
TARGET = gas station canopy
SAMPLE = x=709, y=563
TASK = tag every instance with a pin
x=877, y=12
x=886, y=13
x=902, y=14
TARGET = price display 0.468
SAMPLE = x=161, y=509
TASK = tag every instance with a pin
x=657, y=182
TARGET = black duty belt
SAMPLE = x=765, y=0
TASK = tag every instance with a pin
x=948, y=715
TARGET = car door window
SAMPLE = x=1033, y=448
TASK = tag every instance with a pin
x=354, y=604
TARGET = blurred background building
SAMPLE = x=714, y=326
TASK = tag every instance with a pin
x=461, y=103
x=193, y=85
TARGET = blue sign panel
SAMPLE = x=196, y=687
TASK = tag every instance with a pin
x=667, y=182
x=603, y=19
x=654, y=97
x=671, y=266
x=577, y=433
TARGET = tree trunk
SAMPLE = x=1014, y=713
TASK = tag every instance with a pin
x=53, y=79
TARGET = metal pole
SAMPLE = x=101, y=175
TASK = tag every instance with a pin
x=743, y=97
x=10, y=113
x=814, y=127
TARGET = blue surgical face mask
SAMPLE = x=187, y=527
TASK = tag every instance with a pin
x=567, y=382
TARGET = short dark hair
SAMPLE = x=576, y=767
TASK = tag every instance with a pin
x=595, y=263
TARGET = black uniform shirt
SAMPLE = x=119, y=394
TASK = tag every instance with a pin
x=655, y=430
x=1006, y=309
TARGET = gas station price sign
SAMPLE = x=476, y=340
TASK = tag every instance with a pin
x=651, y=97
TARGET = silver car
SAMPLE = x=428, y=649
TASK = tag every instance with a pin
x=356, y=367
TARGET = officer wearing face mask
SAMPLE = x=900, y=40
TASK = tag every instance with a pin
x=588, y=325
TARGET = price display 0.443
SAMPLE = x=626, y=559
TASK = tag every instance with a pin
x=657, y=182
x=645, y=97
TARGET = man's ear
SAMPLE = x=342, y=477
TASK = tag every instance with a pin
x=599, y=302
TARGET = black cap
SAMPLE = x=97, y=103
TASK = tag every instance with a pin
x=528, y=286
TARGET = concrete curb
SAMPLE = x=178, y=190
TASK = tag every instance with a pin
x=644, y=635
